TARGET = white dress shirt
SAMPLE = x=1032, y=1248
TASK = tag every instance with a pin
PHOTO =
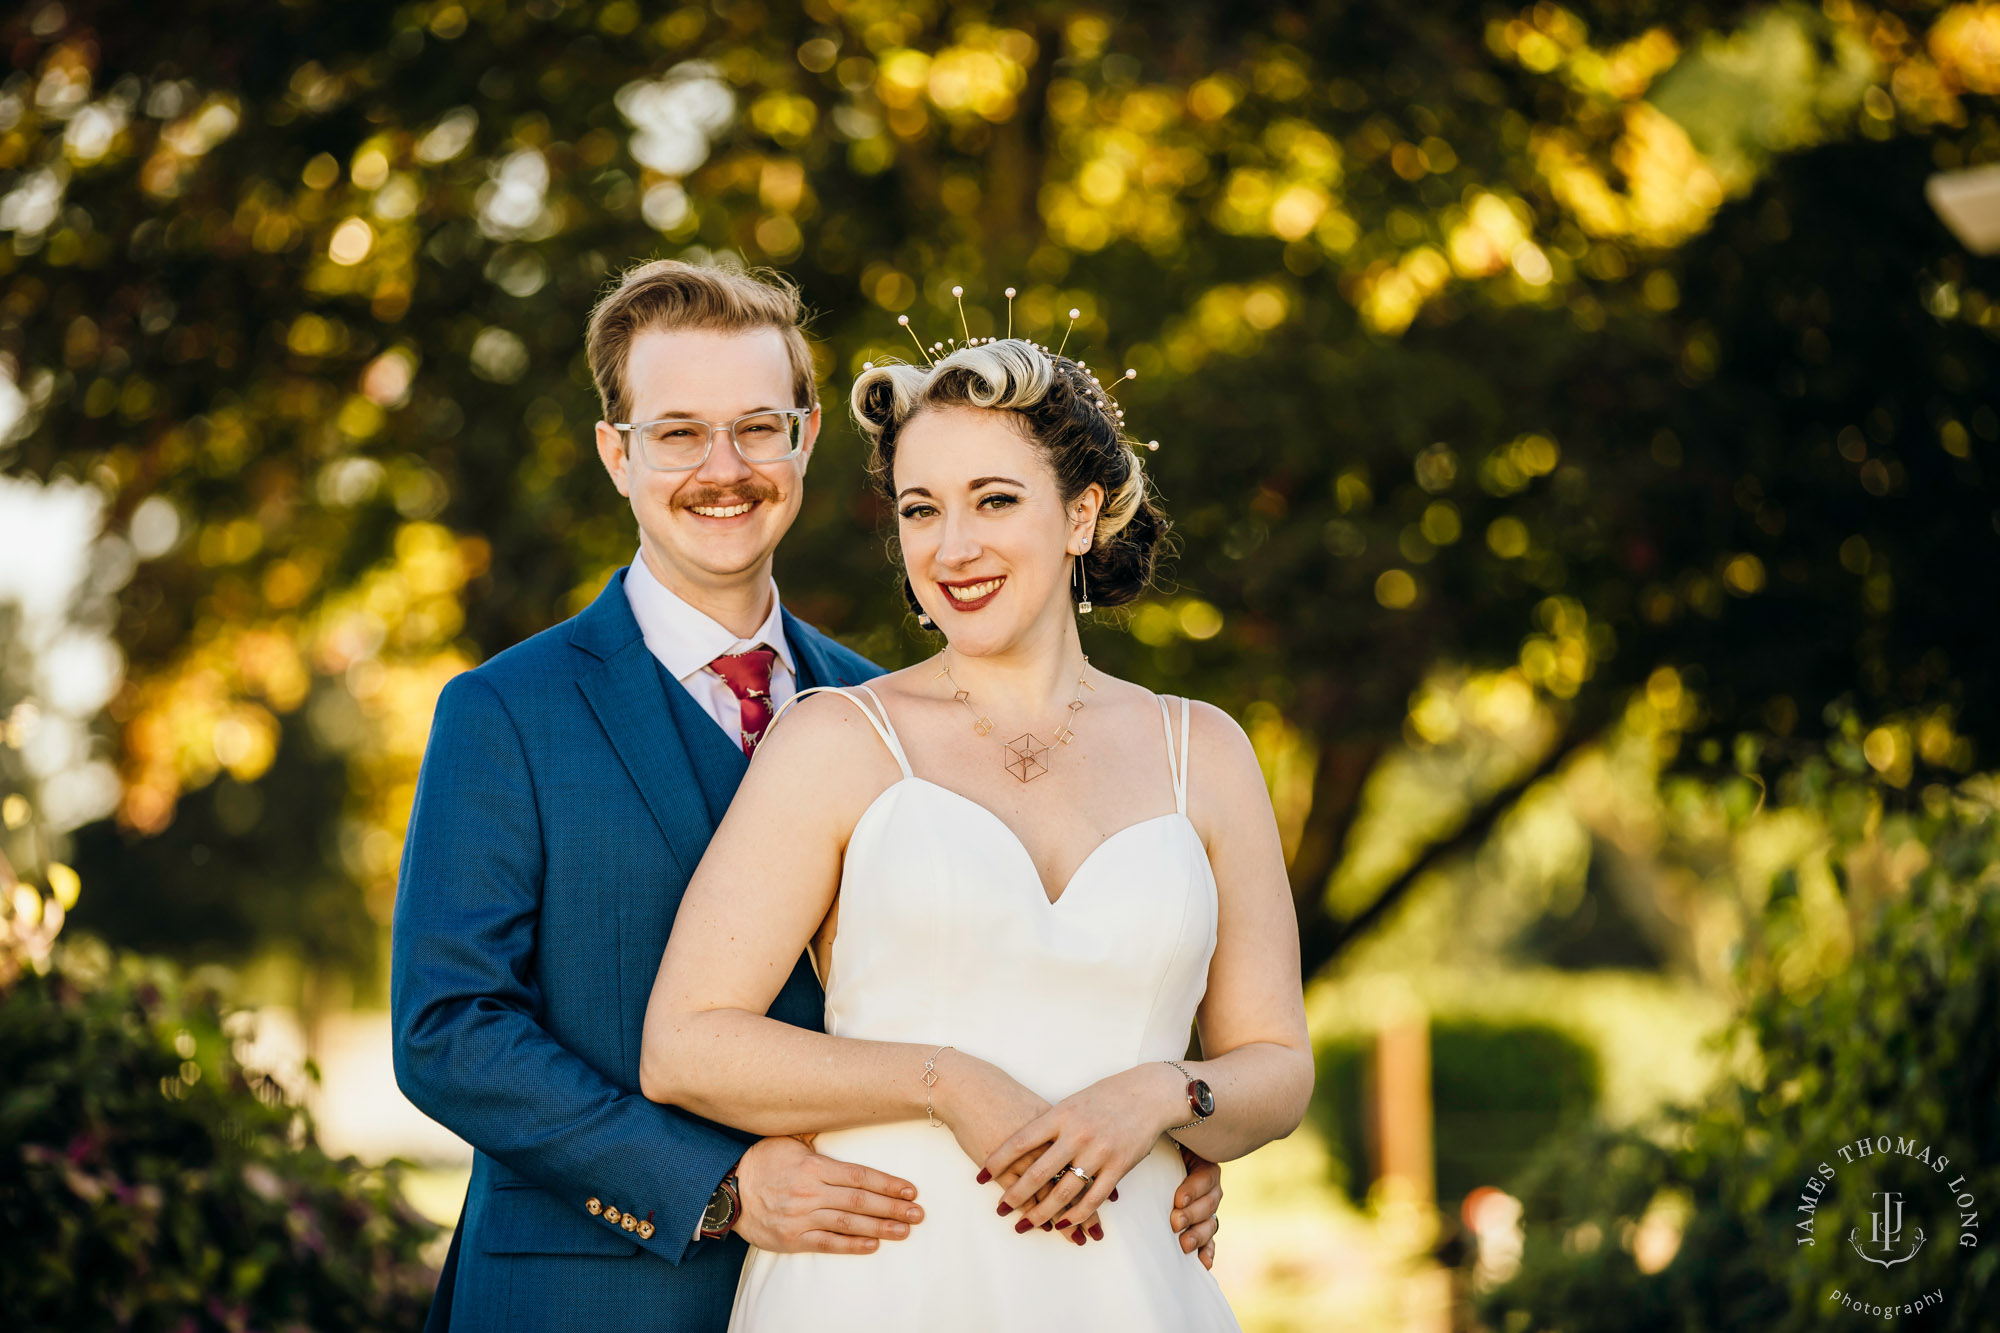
x=686, y=640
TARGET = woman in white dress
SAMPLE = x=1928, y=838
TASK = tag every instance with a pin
x=1021, y=881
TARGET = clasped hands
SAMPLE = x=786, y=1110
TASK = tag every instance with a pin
x=796, y=1199
x=1060, y=1164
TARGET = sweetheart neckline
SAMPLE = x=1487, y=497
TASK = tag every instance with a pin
x=1041, y=885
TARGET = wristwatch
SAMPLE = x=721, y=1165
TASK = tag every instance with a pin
x=724, y=1207
x=1201, y=1100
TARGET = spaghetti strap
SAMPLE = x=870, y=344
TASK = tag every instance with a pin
x=888, y=731
x=1176, y=754
x=881, y=724
x=1180, y=778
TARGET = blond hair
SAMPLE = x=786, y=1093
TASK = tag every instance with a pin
x=669, y=295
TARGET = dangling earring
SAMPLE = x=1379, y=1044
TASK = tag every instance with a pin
x=1081, y=587
x=924, y=620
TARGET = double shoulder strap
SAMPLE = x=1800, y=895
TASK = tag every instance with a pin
x=881, y=723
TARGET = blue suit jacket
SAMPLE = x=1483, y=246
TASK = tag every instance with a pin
x=568, y=791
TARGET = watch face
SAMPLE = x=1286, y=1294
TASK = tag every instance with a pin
x=716, y=1216
x=720, y=1214
x=1203, y=1099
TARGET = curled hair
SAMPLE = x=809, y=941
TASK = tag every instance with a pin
x=1057, y=402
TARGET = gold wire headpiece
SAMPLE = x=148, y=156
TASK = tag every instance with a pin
x=1102, y=395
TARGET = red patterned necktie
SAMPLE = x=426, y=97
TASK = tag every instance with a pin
x=748, y=676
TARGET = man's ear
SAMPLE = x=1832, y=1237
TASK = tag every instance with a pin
x=812, y=438
x=611, y=452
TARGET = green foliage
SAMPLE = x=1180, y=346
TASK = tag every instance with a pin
x=1903, y=1042
x=149, y=1182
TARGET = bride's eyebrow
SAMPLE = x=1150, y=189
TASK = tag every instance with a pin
x=972, y=485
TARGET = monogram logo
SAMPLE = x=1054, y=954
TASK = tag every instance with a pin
x=1886, y=1227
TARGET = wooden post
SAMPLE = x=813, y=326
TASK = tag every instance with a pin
x=1402, y=1110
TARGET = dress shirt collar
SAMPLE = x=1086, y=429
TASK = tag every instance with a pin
x=686, y=639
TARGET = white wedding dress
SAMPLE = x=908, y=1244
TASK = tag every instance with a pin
x=946, y=936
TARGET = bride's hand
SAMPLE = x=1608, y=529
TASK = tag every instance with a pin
x=983, y=1104
x=987, y=1104
x=1103, y=1131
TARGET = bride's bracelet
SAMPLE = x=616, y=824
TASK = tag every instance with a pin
x=930, y=1081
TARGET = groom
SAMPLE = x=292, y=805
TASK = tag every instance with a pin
x=569, y=789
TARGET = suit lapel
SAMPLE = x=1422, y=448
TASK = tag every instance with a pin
x=635, y=702
x=632, y=706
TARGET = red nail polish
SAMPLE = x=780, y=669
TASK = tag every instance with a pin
x=1023, y=1227
x=1048, y=1226
x=1096, y=1231
x=1077, y=1235
x=1114, y=1194
x=1006, y=1208
x=1060, y=1225
x=984, y=1176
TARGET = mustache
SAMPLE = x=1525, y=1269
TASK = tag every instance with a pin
x=713, y=497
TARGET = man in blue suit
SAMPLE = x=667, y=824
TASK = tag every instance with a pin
x=569, y=789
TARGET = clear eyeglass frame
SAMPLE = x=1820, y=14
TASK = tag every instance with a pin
x=791, y=438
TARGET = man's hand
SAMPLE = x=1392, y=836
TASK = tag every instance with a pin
x=794, y=1200
x=1195, y=1203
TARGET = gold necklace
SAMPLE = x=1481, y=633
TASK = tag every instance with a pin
x=1027, y=755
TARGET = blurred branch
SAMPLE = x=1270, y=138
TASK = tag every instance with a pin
x=1322, y=938
x=1336, y=800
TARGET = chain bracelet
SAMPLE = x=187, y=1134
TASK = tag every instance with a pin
x=930, y=1081
x=1199, y=1119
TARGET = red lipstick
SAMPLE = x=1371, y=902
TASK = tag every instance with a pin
x=975, y=605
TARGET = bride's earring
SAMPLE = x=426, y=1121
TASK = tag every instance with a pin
x=1081, y=588
x=924, y=620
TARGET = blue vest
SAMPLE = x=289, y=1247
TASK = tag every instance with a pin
x=568, y=791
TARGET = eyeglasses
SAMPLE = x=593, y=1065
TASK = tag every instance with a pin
x=681, y=444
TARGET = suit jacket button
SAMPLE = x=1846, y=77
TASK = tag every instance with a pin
x=593, y=1207
x=611, y=1216
x=629, y=1222
x=645, y=1231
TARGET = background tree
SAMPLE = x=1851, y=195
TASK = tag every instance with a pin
x=1575, y=344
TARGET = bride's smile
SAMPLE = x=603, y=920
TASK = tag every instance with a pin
x=971, y=595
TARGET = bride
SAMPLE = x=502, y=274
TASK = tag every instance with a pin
x=1020, y=879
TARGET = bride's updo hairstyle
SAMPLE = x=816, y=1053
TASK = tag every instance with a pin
x=1057, y=405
